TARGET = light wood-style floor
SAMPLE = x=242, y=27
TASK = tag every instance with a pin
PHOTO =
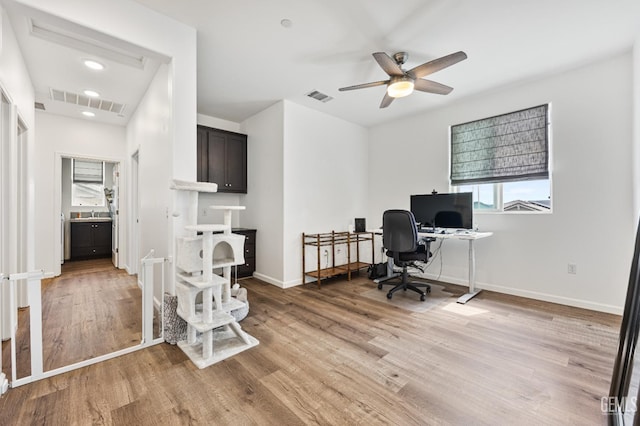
x=332, y=356
x=91, y=309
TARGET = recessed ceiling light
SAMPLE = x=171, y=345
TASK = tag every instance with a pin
x=94, y=65
x=91, y=93
x=286, y=23
x=88, y=114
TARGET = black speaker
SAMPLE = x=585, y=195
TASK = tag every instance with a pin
x=361, y=224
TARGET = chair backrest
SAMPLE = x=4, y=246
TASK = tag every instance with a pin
x=399, y=231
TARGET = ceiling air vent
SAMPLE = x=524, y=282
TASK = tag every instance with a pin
x=39, y=105
x=85, y=101
x=319, y=96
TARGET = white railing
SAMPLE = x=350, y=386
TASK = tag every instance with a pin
x=4, y=382
x=147, y=280
x=34, y=294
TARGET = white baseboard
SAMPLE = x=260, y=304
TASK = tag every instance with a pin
x=277, y=283
x=268, y=279
x=545, y=297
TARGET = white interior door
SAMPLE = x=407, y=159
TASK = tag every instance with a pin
x=133, y=223
x=115, y=215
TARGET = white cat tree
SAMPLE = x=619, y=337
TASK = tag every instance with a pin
x=213, y=334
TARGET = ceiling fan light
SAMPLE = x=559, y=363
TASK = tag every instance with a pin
x=400, y=87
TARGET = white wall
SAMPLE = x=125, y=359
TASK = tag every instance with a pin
x=15, y=82
x=592, y=188
x=148, y=132
x=636, y=127
x=325, y=179
x=57, y=137
x=307, y=172
x=264, y=199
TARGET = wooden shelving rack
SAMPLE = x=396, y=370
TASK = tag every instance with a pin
x=332, y=239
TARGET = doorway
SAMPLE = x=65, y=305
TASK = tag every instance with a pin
x=92, y=300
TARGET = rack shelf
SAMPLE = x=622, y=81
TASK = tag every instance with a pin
x=333, y=239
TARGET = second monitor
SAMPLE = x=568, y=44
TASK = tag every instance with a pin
x=454, y=210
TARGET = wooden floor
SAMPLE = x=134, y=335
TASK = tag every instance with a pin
x=91, y=309
x=331, y=356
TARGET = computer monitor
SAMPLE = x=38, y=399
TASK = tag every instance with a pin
x=453, y=210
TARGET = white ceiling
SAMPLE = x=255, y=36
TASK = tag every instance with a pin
x=54, y=50
x=247, y=60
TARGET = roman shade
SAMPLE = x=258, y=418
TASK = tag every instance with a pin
x=87, y=171
x=505, y=148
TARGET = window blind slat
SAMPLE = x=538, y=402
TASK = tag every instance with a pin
x=86, y=171
x=508, y=147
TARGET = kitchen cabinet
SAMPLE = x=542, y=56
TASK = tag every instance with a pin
x=222, y=159
x=90, y=239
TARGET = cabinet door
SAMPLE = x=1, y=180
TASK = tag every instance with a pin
x=202, y=156
x=81, y=235
x=215, y=158
x=236, y=164
x=102, y=234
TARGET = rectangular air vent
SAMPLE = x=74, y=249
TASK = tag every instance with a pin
x=319, y=96
x=85, y=101
x=39, y=105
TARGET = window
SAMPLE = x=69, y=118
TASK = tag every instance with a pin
x=504, y=161
x=524, y=196
x=87, y=183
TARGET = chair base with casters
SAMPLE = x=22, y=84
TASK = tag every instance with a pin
x=404, y=260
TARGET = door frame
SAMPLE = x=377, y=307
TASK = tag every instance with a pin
x=134, y=210
x=57, y=197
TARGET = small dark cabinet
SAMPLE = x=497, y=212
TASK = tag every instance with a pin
x=222, y=159
x=90, y=240
x=249, y=266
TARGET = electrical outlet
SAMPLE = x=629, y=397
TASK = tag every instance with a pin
x=572, y=268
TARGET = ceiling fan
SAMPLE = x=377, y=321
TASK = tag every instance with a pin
x=402, y=83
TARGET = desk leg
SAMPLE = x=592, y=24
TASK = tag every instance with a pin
x=390, y=273
x=472, y=277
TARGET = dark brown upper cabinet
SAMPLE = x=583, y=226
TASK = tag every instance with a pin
x=222, y=159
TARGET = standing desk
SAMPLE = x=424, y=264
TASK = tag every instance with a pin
x=470, y=236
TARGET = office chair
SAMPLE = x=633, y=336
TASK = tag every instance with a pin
x=400, y=238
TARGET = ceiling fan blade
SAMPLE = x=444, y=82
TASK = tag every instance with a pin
x=365, y=85
x=387, y=64
x=386, y=101
x=431, y=87
x=436, y=65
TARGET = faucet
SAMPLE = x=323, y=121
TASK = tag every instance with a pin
x=93, y=213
